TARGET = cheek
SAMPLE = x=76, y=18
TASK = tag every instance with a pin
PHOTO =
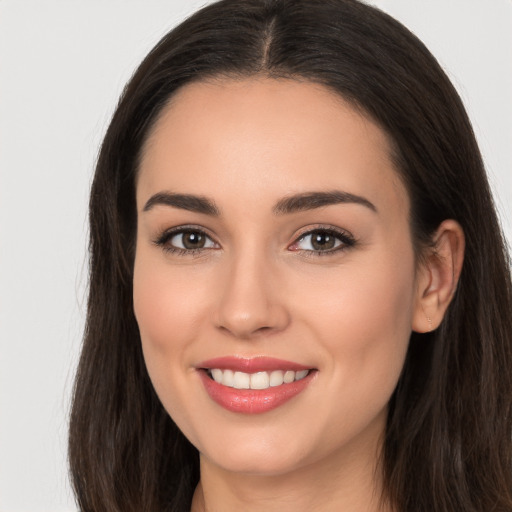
x=167, y=307
x=165, y=303
x=364, y=318
x=381, y=302
x=374, y=295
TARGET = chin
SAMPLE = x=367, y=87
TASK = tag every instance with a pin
x=258, y=463
x=259, y=452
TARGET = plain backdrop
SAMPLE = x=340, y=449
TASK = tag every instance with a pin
x=63, y=64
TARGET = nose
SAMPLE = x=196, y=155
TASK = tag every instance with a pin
x=251, y=302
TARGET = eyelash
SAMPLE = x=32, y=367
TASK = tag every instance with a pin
x=163, y=240
x=346, y=239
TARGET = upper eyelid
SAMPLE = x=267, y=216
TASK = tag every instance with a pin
x=162, y=241
x=168, y=233
x=324, y=227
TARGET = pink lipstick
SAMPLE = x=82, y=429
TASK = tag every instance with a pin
x=253, y=385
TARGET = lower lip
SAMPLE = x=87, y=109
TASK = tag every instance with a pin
x=253, y=401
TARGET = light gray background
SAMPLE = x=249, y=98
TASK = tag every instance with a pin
x=62, y=66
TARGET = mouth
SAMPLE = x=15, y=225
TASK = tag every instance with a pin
x=258, y=380
x=253, y=385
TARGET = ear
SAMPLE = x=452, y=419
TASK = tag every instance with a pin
x=438, y=276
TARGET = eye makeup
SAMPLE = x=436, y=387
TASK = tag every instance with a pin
x=186, y=240
x=323, y=241
x=190, y=240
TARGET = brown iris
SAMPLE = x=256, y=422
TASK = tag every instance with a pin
x=322, y=241
x=193, y=240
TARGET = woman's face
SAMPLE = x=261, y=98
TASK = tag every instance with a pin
x=274, y=281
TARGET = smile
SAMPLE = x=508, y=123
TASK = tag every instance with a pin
x=254, y=385
x=259, y=380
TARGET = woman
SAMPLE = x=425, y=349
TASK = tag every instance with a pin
x=300, y=296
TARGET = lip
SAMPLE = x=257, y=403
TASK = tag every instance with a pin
x=252, y=401
x=252, y=364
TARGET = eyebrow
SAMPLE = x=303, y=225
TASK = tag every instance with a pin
x=287, y=205
x=312, y=200
x=190, y=202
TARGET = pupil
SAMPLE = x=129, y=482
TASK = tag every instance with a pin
x=193, y=240
x=322, y=241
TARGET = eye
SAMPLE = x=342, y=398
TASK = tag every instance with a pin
x=185, y=241
x=323, y=241
x=191, y=240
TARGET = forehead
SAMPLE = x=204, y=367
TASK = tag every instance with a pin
x=266, y=137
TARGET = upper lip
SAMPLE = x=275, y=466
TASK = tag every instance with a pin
x=251, y=364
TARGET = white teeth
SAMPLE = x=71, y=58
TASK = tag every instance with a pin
x=289, y=376
x=217, y=375
x=276, y=378
x=242, y=380
x=259, y=380
x=301, y=374
x=228, y=378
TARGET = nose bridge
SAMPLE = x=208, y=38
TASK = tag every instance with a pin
x=249, y=302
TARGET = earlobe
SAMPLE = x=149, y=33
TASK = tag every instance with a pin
x=438, y=276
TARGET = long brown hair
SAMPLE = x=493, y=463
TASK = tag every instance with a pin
x=448, y=439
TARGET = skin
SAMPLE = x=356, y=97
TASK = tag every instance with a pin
x=258, y=289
